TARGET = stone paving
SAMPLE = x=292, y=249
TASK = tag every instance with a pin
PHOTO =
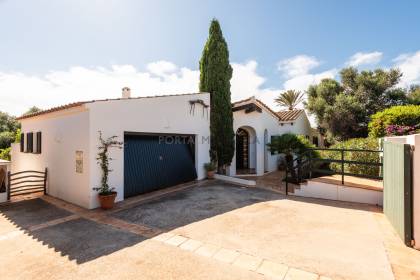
x=270, y=269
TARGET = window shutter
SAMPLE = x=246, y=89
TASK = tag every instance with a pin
x=29, y=142
x=22, y=142
x=38, y=142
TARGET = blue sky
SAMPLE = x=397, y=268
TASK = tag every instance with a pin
x=50, y=46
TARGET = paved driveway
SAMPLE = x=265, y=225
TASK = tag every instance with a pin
x=213, y=231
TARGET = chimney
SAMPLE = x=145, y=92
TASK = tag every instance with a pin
x=126, y=92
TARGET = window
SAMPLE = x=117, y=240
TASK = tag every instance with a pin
x=29, y=142
x=38, y=142
x=22, y=142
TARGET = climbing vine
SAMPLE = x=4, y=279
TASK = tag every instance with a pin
x=103, y=160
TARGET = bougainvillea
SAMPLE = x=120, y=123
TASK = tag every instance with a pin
x=398, y=130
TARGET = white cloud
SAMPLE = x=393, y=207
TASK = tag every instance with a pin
x=245, y=81
x=298, y=65
x=361, y=58
x=302, y=82
x=409, y=64
x=19, y=91
x=161, y=68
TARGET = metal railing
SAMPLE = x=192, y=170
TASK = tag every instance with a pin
x=26, y=182
x=306, y=159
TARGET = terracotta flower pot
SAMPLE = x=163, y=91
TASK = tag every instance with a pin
x=210, y=174
x=107, y=200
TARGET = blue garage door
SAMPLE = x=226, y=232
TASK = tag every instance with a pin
x=153, y=162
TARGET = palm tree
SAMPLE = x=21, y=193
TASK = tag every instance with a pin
x=290, y=98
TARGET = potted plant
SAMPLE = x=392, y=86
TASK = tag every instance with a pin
x=210, y=167
x=106, y=194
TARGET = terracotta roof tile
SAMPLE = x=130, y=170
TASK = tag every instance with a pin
x=289, y=115
x=75, y=104
x=259, y=102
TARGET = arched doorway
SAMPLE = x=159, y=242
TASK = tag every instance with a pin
x=245, y=151
x=242, y=150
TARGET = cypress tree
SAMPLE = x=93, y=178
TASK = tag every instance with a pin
x=215, y=75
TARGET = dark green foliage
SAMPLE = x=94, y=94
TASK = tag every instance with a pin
x=8, y=123
x=414, y=95
x=6, y=139
x=103, y=161
x=215, y=75
x=344, y=109
x=5, y=152
x=32, y=110
x=8, y=128
x=289, y=143
x=398, y=115
x=358, y=144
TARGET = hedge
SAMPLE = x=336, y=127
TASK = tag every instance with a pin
x=359, y=144
x=408, y=115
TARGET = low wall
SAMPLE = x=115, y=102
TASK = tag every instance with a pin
x=413, y=140
x=322, y=190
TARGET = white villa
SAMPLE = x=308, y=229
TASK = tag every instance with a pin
x=166, y=142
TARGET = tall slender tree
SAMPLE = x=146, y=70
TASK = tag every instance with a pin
x=215, y=75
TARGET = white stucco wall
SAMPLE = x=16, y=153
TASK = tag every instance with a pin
x=259, y=122
x=76, y=129
x=63, y=133
x=413, y=140
x=169, y=114
x=299, y=126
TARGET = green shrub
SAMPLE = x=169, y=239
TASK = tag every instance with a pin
x=289, y=143
x=210, y=166
x=359, y=144
x=398, y=115
x=18, y=135
x=5, y=153
x=6, y=139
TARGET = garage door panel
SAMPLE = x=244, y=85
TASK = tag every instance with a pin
x=150, y=164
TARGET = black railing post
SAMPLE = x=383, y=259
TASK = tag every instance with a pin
x=342, y=166
x=8, y=185
x=45, y=180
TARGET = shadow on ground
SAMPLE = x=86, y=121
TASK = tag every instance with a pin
x=27, y=213
x=79, y=239
x=84, y=240
x=194, y=204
